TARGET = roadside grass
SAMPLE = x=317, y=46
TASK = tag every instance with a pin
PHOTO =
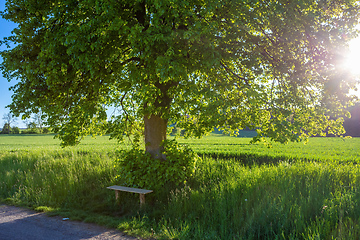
x=238, y=191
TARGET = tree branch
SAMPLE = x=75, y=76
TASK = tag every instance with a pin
x=234, y=74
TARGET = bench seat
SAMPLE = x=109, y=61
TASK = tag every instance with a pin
x=142, y=192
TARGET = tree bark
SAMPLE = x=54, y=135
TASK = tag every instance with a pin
x=155, y=133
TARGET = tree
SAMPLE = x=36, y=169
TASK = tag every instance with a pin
x=269, y=65
x=352, y=126
x=15, y=130
x=6, y=129
x=9, y=119
x=39, y=121
x=31, y=128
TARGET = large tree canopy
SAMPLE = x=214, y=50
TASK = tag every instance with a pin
x=270, y=65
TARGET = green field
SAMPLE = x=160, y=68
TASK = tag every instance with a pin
x=239, y=190
x=335, y=149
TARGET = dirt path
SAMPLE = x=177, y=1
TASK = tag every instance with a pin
x=20, y=224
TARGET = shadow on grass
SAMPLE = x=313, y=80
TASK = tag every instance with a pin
x=254, y=159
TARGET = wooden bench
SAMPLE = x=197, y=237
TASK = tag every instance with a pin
x=142, y=192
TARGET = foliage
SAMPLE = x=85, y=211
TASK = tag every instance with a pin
x=34, y=128
x=38, y=120
x=9, y=119
x=138, y=169
x=31, y=131
x=15, y=130
x=6, y=129
x=352, y=125
x=273, y=66
x=46, y=130
x=270, y=65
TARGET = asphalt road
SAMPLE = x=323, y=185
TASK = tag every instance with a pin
x=23, y=224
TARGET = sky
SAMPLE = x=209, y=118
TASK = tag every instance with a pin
x=5, y=95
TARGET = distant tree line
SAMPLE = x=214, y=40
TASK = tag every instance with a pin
x=9, y=119
x=36, y=126
x=352, y=125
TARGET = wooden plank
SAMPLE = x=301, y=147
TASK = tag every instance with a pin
x=128, y=189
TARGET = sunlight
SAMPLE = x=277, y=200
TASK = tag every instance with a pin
x=352, y=62
x=353, y=59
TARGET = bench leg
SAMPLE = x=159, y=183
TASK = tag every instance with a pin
x=117, y=194
x=142, y=199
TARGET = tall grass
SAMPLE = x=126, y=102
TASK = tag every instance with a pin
x=56, y=179
x=234, y=195
x=302, y=200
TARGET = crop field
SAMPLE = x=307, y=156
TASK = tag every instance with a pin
x=238, y=191
x=335, y=149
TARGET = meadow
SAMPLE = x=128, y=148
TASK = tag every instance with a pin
x=238, y=191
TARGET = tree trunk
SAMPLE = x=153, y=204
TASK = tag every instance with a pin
x=155, y=133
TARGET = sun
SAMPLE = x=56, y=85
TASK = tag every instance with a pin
x=352, y=62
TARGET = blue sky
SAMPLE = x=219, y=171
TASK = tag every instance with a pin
x=5, y=95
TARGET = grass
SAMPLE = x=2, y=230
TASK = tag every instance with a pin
x=29, y=142
x=239, y=191
x=333, y=149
